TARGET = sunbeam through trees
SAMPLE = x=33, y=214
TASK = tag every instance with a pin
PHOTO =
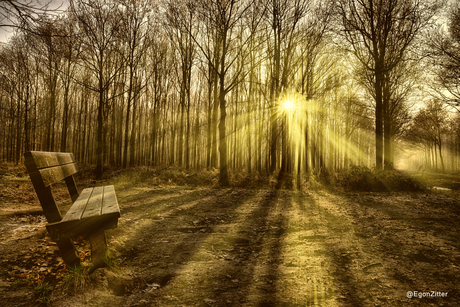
x=275, y=87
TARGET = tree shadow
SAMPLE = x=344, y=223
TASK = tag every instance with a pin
x=234, y=247
x=173, y=229
x=243, y=276
x=390, y=252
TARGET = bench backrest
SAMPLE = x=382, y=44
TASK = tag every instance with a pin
x=46, y=168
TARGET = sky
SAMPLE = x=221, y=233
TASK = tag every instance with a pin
x=6, y=32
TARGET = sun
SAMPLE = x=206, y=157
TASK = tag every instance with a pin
x=288, y=105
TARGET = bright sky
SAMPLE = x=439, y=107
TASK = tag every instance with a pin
x=6, y=32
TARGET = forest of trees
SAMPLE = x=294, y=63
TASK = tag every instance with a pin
x=275, y=86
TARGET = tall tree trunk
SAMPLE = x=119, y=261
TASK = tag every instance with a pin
x=215, y=125
x=128, y=113
x=209, y=127
x=440, y=154
x=180, y=136
x=283, y=146
x=273, y=138
x=388, y=165
x=223, y=174
x=259, y=134
x=196, y=145
x=248, y=125
x=132, y=141
x=66, y=115
x=26, y=120
x=18, y=132
x=378, y=115
x=100, y=124
x=187, y=135
x=173, y=139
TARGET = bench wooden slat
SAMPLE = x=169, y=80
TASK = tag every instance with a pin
x=110, y=201
x=82, y=227
x=57, y=173
x=94, y=206
x=45, y=159
x=76, y=211
x=44, y=193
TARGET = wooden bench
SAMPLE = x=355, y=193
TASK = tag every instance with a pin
x=92, y=212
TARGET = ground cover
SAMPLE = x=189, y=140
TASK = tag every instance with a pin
x=184, y=245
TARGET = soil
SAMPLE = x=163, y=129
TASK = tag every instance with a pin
x=202, y=246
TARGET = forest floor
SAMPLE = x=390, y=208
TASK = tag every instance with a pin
x=204, y=246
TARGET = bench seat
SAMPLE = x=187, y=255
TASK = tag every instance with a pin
x=94, y=210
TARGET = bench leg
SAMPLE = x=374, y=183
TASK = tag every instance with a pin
x=68, y=252
x=98, y=243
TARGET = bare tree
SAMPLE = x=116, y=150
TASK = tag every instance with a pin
x=444, y=48
x=20, y=13
x=99, y=23
x=400, y=84
x=378, y=34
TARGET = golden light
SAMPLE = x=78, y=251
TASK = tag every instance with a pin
x=288, y=105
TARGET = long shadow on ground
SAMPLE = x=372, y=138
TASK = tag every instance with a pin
x=396, y=245
x=237, y=247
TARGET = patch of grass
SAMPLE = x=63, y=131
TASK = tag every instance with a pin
x=42, y=293
x=110, y=261
x=76, y=278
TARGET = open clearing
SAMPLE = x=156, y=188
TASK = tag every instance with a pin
x=196, y=246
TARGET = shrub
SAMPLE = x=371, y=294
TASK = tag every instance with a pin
x=360, y=178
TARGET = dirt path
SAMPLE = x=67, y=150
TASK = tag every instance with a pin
x=180, y=246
